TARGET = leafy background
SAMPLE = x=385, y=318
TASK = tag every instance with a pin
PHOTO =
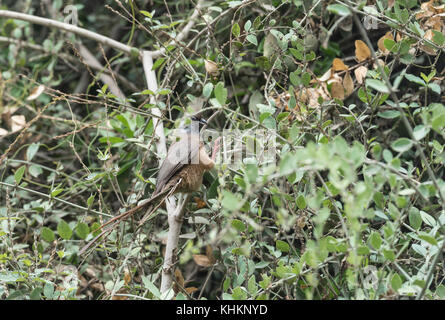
x=352, y=91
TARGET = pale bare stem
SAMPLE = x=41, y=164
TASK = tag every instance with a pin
x=174, y=224
x=91, y=60
x=55, y=199
x=69, y=28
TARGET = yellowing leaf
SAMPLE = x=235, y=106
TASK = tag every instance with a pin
x=362, y=51
x=338, y=65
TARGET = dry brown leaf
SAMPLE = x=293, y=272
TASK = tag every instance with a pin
x=348, y=84
x=434, y=23
x=200, y=203
x=190, y=290
x=380, y=44
x=378, y=62
x=36, y=92
x=209, y=253
x=429, y=36
x=127, y=277
x=17, y=123
x=426, y=10
x=360, y=74
x=337, y=91
x=179, y=277
x=211, y=67
x=338, y=65
x=116, y=297
x=362, y=51
x=202, y=260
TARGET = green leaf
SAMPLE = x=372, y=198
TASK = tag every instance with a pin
x=251, y=285
x=438, y=37
x=239, y=294
x=64, y=230
x=440, y=291
x=306, y=78
x=158, y=63
x=294, y=78
x=420, y=131
x=389, y=44
x=282, y=246
x=252, y=39
x=32, y=150
x=402, y=144
x=238, y=225
x=415, y=220
x=82, y=230
x=220, y=93
x=415, y=79
x=428, y=238
x=377, y=85
x=90, y=201
x=35, y=171
x=163, y=91
x=236, y=30
x=434, y=87
x=230, y=201
x=151, y=287
x=389, y=254
x=339, y=9
x=146, y=13
x=18, y=175
x=428, y=219
x=396, y=282
x=375, y=240
x=47, y=234
x=301, y=202
x=56, y=192
x=389, y=114
x=48, y=290
x=207, y=90
x=287, y=164
x=95, y=229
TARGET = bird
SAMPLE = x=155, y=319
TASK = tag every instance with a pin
x=181, y=171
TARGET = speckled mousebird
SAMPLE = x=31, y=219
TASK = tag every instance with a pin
x=181, y=171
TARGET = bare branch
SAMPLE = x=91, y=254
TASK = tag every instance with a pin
x=69, y=28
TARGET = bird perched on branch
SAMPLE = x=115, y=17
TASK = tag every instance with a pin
x=181, y=172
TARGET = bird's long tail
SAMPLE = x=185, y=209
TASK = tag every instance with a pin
x=112, y=223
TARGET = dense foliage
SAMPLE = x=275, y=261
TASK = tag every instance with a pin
x=350, y=92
